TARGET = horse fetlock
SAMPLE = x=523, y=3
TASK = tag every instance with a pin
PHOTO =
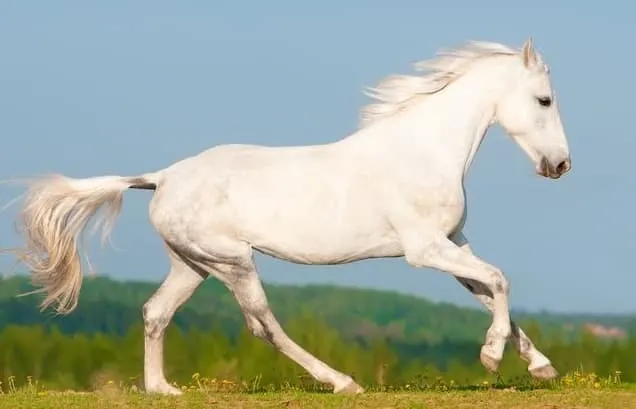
x=493, y=349
x=492, y=353
x=489, y=359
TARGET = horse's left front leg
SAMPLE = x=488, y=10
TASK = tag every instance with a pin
x=539, y=365
x=434, y=250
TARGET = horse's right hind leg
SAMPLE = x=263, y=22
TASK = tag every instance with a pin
x=231, y=261
x=175, y=290
x=244, y=283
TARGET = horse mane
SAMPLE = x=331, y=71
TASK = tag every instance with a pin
x=395, y=93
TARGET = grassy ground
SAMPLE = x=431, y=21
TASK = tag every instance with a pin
x=493, y=399
x=574, y=391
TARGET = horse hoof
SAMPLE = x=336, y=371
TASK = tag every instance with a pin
x=351, y=389
x=164, y=389
x=544, y=373
x=490, y=363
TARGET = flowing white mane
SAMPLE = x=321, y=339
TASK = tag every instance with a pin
x=396, y=92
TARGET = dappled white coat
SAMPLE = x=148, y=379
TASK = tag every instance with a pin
x=393, y=188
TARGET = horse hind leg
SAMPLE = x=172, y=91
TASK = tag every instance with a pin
x=248, y=291
x=238, y=272
x=181, y=282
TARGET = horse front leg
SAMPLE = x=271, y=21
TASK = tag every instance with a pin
x=424, y=246
x=539, y=365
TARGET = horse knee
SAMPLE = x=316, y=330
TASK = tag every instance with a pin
x=498, y=283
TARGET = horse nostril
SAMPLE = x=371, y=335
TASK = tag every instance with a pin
x=563, y=167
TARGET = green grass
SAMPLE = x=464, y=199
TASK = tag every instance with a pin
x=579, y=398
x=575, y=391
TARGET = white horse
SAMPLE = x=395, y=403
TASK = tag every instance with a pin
x=393, y=188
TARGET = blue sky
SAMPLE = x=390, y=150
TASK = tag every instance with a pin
x=121, y=87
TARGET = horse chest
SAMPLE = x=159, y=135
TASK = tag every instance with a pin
x=445, y=212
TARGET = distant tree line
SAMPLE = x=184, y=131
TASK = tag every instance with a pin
x=380, y=338
x=84, y=362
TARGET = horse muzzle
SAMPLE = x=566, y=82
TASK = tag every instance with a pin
x=553, y=169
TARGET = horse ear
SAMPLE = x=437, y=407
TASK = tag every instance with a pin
x=528, y=54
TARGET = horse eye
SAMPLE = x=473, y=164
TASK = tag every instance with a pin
x=544, y=101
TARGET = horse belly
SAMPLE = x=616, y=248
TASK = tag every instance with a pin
x=322, y=226
x=327, y=245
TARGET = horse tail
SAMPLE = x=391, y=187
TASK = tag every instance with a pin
x=56, y=211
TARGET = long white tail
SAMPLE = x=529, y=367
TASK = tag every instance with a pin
x=56, y=211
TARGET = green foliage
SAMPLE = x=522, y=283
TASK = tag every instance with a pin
x=84, y=362
x=384, y=340
x=114, y=307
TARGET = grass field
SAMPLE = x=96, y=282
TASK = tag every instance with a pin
x=579, y=398
x=573, y=391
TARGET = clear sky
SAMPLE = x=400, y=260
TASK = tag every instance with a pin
x=126, y=87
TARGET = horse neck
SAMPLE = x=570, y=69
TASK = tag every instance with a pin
x=444, y=129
